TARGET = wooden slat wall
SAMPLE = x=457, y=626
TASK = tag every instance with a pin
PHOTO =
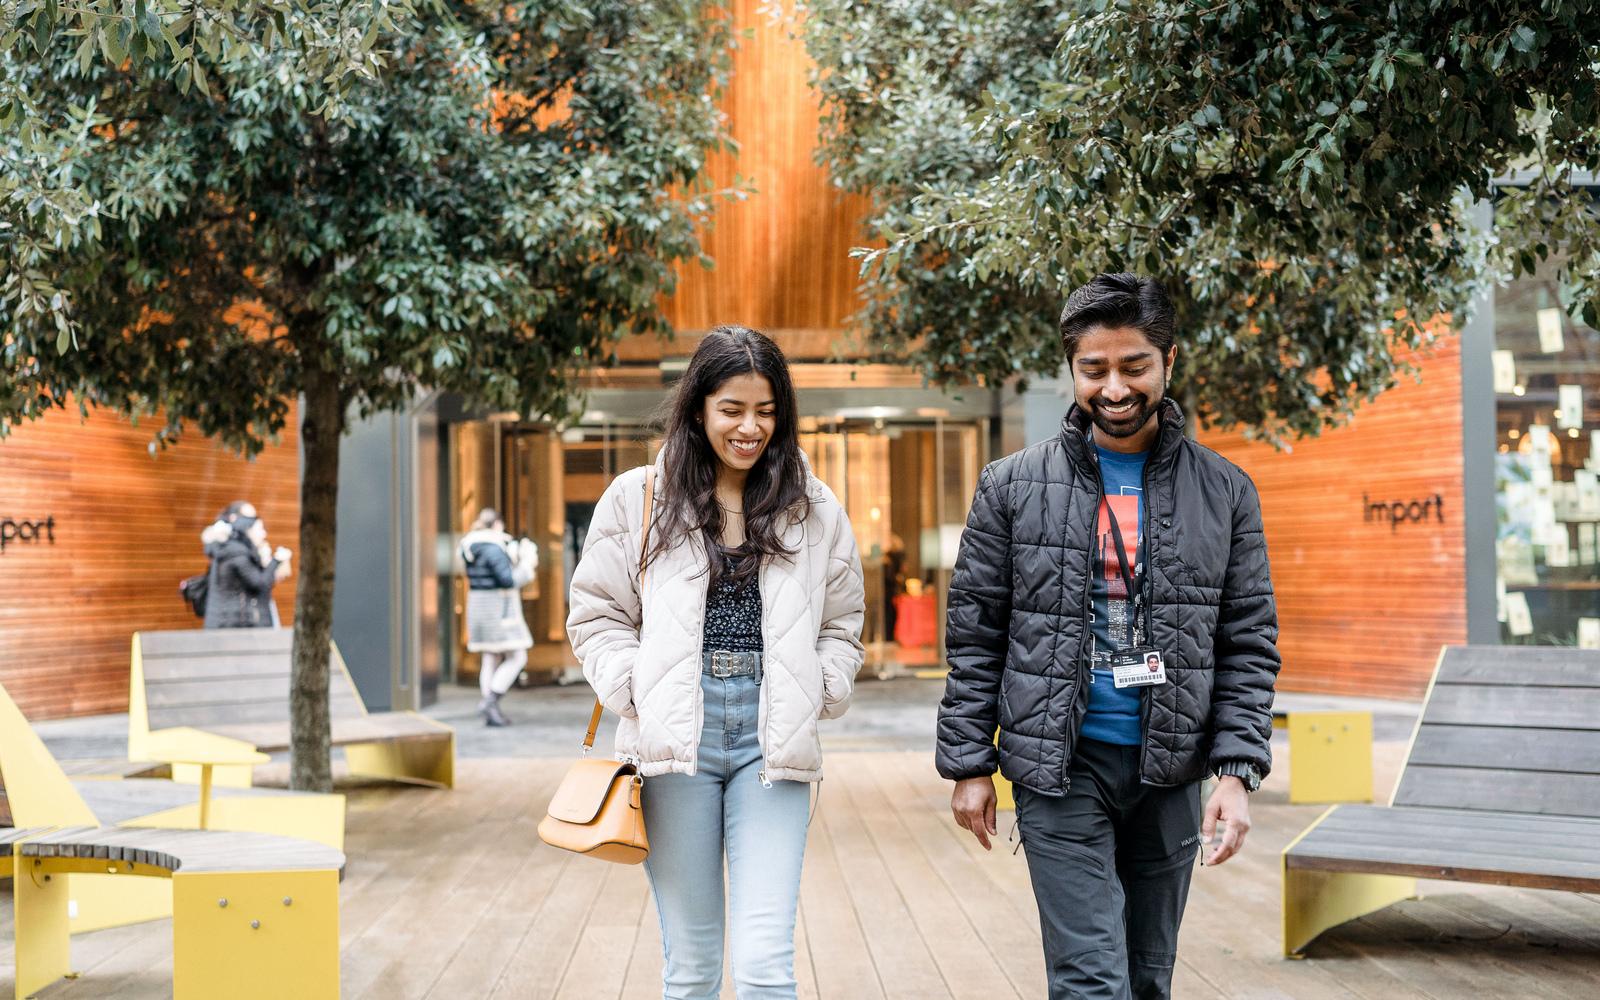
x=127, y=530
x=1363, y=608
x=782, y=256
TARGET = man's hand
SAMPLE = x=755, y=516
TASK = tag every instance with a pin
x=1230, y=804
x=973, y=803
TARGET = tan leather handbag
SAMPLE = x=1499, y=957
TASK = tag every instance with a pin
x=598, y=809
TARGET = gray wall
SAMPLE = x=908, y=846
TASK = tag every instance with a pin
x=365, y=585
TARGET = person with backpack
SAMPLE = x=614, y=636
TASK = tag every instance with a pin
x=497, y=567
x=244, y=570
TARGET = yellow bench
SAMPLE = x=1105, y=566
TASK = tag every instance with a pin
x=235, y=683
x=41, y=795
x=1499, y=787
x=254, y=915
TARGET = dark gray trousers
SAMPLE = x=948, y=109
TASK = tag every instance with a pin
x=1110, y=863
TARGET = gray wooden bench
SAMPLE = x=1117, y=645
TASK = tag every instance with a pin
x=235, y=683
x=1501, y=786
x=252, y=914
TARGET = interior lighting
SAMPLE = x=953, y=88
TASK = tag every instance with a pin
x=1572, y=432
x=1513, y=434
x=1519, y=390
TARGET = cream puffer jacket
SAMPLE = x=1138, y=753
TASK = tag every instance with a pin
x=641, y=647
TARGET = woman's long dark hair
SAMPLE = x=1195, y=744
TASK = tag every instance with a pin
x=686, y=501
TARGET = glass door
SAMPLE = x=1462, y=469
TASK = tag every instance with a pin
x=906, y=487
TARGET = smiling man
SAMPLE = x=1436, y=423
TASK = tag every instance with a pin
x=1112, y=615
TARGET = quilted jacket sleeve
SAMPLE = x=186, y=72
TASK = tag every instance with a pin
x=976, y=635
x=1247, y=658
x=844, y=606
x=606, y=614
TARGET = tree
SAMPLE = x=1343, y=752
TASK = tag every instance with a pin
x=43, y=211
x=900, y=84
x=487, y=219
x=1302, y=174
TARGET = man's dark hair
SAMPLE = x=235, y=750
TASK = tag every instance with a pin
x=1114, y=300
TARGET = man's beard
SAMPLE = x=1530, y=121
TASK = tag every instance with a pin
x=1126, y=426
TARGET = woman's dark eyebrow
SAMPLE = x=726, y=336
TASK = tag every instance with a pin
x=726, y=401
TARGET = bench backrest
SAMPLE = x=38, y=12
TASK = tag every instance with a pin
x=214, y=677
x=36, y=790
x=1508, y=729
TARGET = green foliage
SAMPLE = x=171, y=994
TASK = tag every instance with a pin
x=900, y=83
x=432, y=234
x=1301, y=174
x=43, y=211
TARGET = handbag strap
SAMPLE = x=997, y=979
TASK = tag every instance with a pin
x=644, y=546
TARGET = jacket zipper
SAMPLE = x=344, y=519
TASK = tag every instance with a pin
x=1080, y=665
x=764, y=727
x=1146, y=588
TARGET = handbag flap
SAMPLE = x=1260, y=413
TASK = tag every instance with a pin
x=583, y=791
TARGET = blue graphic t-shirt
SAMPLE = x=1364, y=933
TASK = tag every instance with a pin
x=1114, y=713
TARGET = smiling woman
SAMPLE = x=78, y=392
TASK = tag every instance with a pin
x=718, y=608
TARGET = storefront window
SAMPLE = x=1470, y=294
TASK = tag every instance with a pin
x=1547, y=466
x=905, y=484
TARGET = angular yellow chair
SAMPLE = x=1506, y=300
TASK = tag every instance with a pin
x=41, y=795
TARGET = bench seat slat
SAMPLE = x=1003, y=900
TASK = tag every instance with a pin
x=1548, y=793
x=1516, y=707
x=1502, y=848
x=214, y=667
x=1528, y=666
x=188, y=851
x=382, y=726
x=1425, y=821
x=223, y=711
x=1452, y=843
x=1572, y=751
x=211, y=642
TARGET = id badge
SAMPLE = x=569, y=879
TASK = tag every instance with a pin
x=1141, y=666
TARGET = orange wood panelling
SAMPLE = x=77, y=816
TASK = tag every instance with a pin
x=127, y=529
x=782, y=255
x=1363, y=605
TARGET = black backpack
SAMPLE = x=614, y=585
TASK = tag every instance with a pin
x=194, y=591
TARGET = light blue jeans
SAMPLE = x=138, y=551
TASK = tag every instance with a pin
x=691, y=820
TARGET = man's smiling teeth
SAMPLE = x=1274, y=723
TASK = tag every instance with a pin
x=1121, y=407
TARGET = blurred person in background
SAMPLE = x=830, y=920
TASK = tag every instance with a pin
x=497, y=568
x=244, y=569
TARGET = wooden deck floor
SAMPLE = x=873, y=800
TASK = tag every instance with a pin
x=450, y=895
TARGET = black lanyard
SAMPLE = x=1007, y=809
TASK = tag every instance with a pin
x=1129, y=580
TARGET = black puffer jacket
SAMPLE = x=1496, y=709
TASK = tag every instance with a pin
x=240, y=593
x=1018, y=614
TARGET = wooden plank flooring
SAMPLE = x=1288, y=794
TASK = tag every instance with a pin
x=449, y=895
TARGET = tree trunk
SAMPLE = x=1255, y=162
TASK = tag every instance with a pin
x=1190, y=400
x=321, y=427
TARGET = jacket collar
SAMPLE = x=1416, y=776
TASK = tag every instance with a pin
x=1077, y=434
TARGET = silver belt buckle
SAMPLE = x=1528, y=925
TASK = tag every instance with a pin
x=725, y=663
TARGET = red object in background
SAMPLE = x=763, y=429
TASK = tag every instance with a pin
x=914, y=619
